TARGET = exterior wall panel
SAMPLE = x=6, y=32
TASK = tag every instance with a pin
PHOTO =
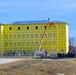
x=26, y=37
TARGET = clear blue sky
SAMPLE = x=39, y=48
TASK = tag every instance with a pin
x=25, y=10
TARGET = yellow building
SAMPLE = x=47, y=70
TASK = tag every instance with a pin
x=26, y=37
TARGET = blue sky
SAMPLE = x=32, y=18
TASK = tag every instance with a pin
x=25, y=10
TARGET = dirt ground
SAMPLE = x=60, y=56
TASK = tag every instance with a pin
x=39, y=67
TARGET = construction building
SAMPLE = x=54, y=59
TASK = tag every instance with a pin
x=25, y=37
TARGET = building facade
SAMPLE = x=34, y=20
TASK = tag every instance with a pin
x=26, y=37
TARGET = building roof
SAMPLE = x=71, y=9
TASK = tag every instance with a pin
x=34, y=22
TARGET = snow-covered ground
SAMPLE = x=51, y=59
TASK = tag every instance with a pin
x=8, y=60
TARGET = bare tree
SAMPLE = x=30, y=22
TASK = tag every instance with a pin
x=72, y=43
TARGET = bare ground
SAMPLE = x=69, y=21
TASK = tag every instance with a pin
x=39, y=67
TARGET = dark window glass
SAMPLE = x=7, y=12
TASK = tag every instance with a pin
x=45, y=27
x=10, y=28
x=18, y=28
x=36, y=27
x=27, y=28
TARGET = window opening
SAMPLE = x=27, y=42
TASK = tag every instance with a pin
x=10, y=28
x=36, y=27
x=18, y=28
x=45, y=27
x=27, y=28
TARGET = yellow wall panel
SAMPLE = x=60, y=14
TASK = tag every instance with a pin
x=26, y=37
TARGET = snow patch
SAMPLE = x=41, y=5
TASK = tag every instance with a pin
x=6, y=60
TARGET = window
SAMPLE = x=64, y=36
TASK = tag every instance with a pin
x=23, y=43
x=6, y=36
x=32, y=35
x=50, y=43
x=27, y=35
x=14, y=43
x=32, y=43
x=54, y=42
x=36, y=43
x=19, y=36
x=23, y=35
x=19, y=43
x=27, y=43
x=27, y=28
x=14, y=36
x=10, y=36
x=10, y=28
x=54, y=34
x=36, y=27
x=45, y=27
x=18, y=28
x=36, y=35
x=45, y=35
x=41, y=35
x=5, y=44
x=49, y=35
x=10, y=44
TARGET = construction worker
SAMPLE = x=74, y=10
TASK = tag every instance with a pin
x=45, y=54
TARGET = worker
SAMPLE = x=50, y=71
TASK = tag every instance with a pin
x=45, y=54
